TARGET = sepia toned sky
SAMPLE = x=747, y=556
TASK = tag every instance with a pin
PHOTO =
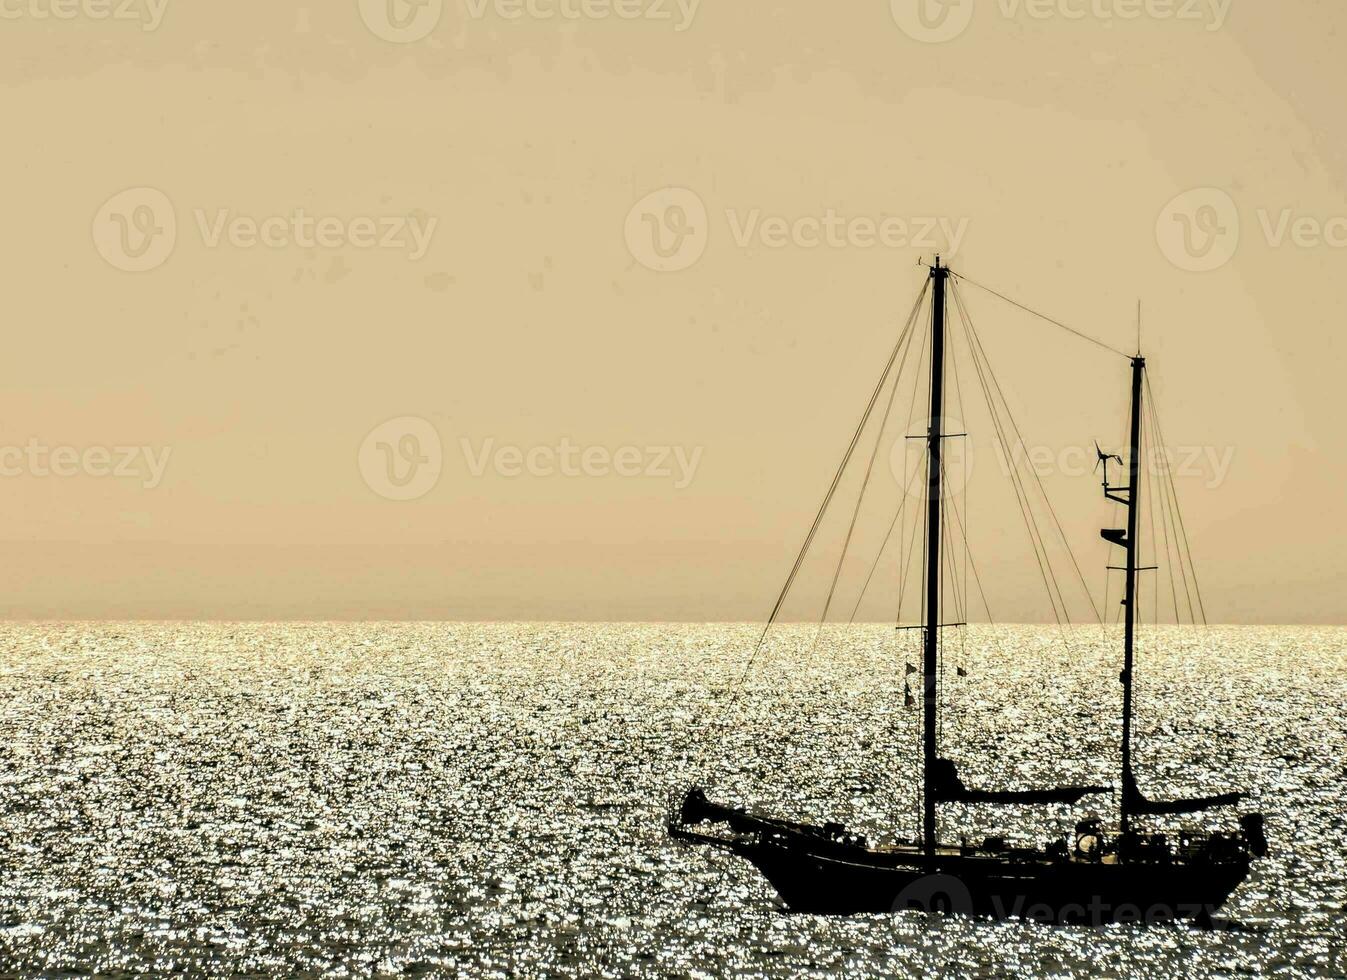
x=486, y=309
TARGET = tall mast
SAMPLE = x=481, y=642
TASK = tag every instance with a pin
x=935, y=437
x=1129, y=600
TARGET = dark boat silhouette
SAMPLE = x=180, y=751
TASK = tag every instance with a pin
x=1095, y=877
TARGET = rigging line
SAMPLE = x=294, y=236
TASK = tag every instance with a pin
x=865, y=484
x=960, y=592
x=982, y=593
x=1166, y=523
x=1169, y=501
x=903, y=573
x=837, y=479
x=1024, y=515
x=977, y=579
x=1177, y=510
x=907, y=492
x=949, y=561
x=1021, y=495
x=1155, y=599
x=966, y=450
x=963, y=602
x=1172, y=503
x=925, y=504
x=1041, y=489
x=958, y=588
x=1152, y=499
x=1157, y=641
x=1185, y=568
x=1017, y=481
x=905, y=557
x=1041, y=316
x=1178, y=553
x=1039, y=480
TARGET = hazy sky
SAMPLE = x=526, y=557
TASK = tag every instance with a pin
x=487, y=309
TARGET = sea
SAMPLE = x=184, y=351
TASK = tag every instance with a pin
x=490, y=799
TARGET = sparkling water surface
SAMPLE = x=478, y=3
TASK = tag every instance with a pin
x=488, y=799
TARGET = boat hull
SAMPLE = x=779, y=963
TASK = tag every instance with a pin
x=828, y=881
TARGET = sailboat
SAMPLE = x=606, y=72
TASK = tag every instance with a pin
x=1096, y=875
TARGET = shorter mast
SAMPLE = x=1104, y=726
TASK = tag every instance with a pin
x=1133, y=801
x=1130, y=591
